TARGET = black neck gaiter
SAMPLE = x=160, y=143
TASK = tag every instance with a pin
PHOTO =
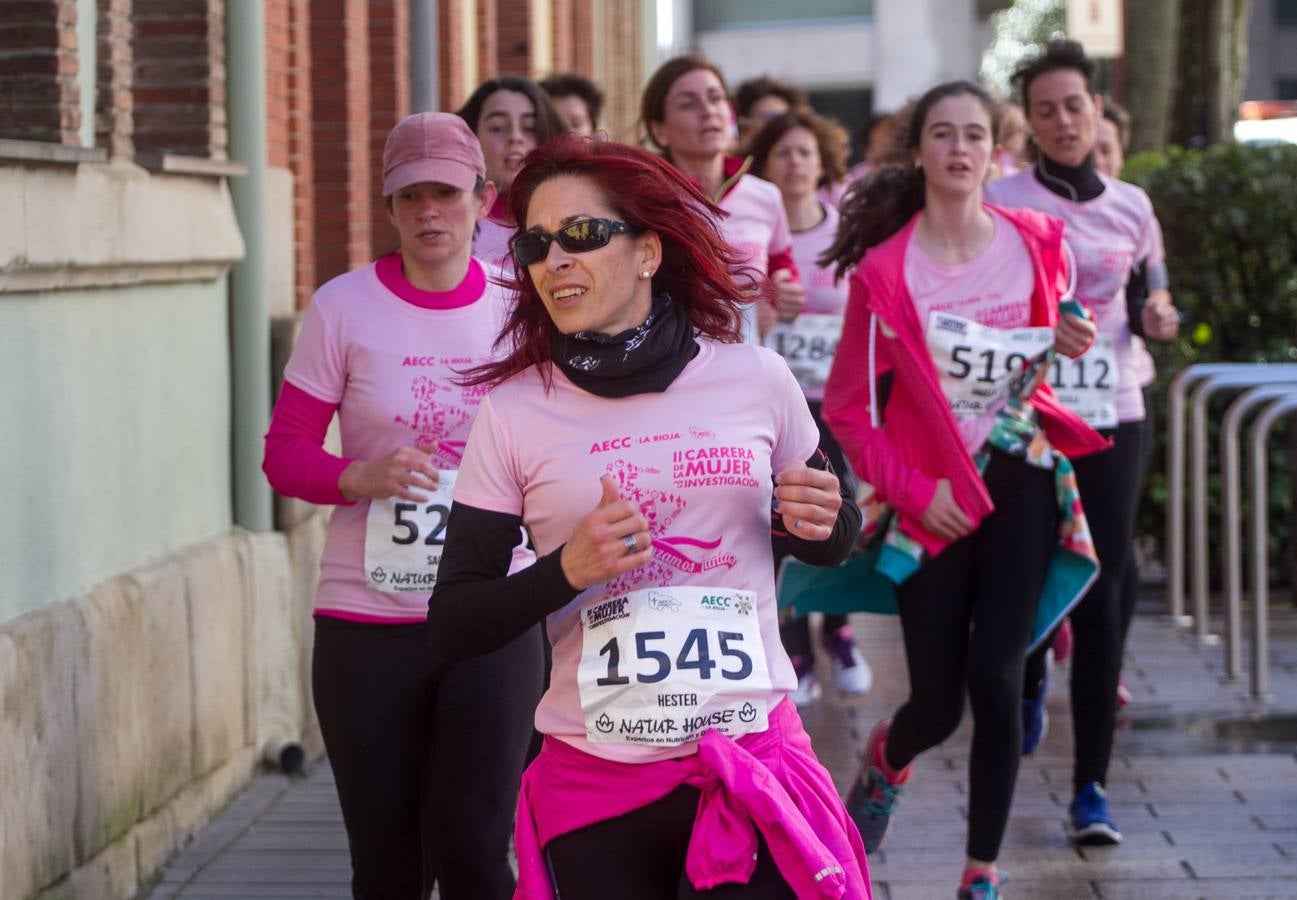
x=1075, y=183
x=640, y=360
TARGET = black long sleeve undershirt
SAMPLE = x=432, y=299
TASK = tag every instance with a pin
x=477, y=606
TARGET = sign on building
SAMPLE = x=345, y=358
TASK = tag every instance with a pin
x=1097, y=24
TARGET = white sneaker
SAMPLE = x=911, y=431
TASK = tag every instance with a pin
x=851, y=674
x=808, y=691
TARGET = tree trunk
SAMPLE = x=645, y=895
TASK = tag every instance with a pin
x=1152, y=44
x=1226, y=64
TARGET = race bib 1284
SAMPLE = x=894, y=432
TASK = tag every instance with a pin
x=807, y=344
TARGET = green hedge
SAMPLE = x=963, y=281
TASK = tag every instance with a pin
x=1229, y=215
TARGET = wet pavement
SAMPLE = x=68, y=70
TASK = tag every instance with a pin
x=1204, y=816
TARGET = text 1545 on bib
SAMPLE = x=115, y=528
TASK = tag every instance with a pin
x=661, y=666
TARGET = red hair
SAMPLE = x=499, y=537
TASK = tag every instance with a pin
x=701, y=272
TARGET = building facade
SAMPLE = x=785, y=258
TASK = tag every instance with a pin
x=178, y=176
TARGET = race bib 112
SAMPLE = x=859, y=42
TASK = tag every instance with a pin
x=1087, y=385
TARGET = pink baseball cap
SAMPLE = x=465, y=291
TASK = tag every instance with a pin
x=432, y=146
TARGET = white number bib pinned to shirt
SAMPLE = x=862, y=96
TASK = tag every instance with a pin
x=662, y=665
x=807, y=343
x=404, y=539
x=1087, y=385
x=977, y=364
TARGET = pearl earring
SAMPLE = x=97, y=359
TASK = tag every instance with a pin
x=645, y=275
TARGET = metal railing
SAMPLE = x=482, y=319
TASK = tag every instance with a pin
x=1231, y=504
x=1273, y=388
x=1258, y=535
x=1214, y=377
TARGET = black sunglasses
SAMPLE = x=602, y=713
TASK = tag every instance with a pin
x=580, y=236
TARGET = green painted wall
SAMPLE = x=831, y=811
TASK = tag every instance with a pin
x=114, y=433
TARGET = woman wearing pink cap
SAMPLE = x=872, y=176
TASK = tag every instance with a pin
x=511, y=116
x=686, y=111
x=426, y=755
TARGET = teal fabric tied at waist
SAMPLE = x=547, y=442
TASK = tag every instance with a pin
x=867, y=581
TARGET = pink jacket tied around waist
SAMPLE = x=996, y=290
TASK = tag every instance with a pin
x=769, y=782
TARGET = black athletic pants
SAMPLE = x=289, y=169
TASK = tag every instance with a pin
x=427, y=758
x=641, y=856
x=795, y=634
x=967, y=617
x=1109, y=483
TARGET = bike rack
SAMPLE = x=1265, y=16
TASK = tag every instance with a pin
x=1175, y=395
x=1231, y=495
x=1175, y=473
x=1238, y=376
x=1257, y=473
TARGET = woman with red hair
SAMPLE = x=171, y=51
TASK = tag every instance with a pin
x=641, y=445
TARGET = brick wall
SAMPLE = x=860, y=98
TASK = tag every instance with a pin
x=583, y=37
x=340, y=130
x=301, y=148
x=515, y=37
x=389, y=98
x=39, y=96
x=488, y=39
x=114, y=105
x=563, y=26
x=279, y=42
x=180, y=77
x=450, y=64
x=618, y=68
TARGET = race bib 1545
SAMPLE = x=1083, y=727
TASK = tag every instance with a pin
x=661, y=666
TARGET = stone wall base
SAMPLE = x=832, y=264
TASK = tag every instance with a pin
x=133, y=714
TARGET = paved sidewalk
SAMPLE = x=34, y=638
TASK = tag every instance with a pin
x=1203, y=817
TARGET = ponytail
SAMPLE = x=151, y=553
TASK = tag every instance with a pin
x=875, y=208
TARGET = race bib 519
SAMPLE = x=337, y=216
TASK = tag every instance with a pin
x=976, y=364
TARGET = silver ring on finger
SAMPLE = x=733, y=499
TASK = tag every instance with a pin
x=632, y=545
x=797, y=523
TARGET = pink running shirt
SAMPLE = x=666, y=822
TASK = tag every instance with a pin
x=823, y=297
x=698, y=458
x=757, y=227
x=994, y=290
x=1108, y=234
x=388, y=364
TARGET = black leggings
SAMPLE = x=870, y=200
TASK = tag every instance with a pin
x=641, y=856
x=795, y=634
x=427, y=759
x=967, y=617
x=1109, y=482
